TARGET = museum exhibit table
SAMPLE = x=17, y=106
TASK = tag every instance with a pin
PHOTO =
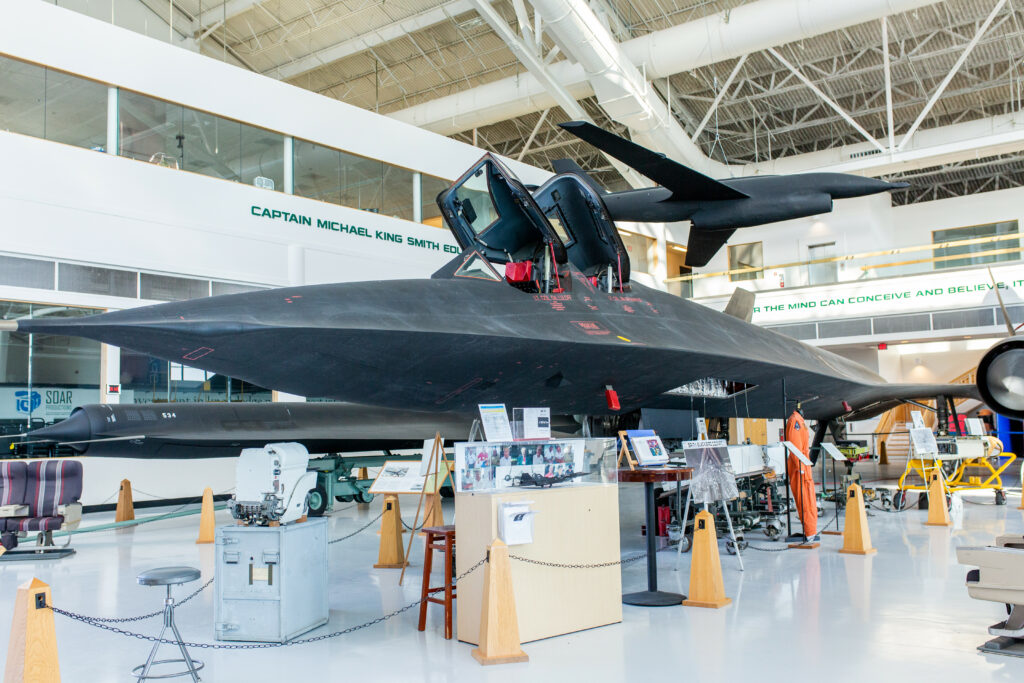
x=573, y=524
x=652, y=597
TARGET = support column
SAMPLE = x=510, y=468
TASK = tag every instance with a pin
x=289, y=165
x=112, y=121
x=110, y=372
x=417, y=197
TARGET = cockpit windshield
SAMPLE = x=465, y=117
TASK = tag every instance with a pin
x=474, y=197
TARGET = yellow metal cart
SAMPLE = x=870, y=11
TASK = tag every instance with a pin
x=960, y=468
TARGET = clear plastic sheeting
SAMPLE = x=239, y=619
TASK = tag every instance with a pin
x=713, y=478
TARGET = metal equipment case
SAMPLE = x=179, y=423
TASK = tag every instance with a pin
x=271, y=581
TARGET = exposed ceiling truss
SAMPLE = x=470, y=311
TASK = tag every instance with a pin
x=949, y=62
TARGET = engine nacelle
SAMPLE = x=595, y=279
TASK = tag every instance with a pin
x=1001, y=377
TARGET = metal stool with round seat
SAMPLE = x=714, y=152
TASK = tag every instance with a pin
x=168, y=576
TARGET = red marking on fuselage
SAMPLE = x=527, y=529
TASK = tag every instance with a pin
x=198, y=353
x=468, y=385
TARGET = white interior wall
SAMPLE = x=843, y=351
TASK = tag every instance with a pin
x=860, y=225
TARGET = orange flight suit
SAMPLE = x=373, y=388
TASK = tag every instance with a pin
x=801, y=477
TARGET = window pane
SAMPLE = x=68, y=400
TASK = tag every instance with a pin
x=262, y=157
x=430, y=187
x=146, y=379
x=23, y=272
x=76, y=111
x=212, y=145
x=361, y=183
x=93, y=280
x=167, y=288
x=990, y=230
x=316, y=171
x=22, y=87
x=397, y=191
x=232, y=288
x=636, y=247
x=746, y=256
x=150, y=130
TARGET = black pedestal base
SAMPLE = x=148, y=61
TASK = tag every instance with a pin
x=1004, y=645
x=653, y=599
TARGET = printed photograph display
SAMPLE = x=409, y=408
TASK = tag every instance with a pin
x=403, y=476
x=485, y=465
x=649, y=450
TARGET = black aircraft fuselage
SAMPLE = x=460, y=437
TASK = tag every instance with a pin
x=563, y=326
x=715, y=208
x=769, y=199
x=220, y=430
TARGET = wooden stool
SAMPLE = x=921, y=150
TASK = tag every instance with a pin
x=435, y=536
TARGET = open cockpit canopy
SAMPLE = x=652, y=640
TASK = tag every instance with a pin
x=496, y=220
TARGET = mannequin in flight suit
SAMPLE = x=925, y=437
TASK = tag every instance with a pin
x=801, y=478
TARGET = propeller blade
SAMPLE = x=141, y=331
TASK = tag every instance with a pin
x=1002, y=306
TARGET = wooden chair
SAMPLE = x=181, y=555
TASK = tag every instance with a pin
x=441, y=538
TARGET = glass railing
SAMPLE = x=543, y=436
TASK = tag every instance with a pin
x=857, y=267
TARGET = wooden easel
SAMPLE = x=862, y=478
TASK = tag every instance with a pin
x=437, y=456
x=625, y=453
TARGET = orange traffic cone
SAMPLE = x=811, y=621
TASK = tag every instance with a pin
x=706, y=587
x=856, y=536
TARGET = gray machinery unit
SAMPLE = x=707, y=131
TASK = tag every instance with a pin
x=271, y=581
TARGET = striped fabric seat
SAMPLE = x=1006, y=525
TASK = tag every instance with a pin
x=13, y=474
x=50, y=484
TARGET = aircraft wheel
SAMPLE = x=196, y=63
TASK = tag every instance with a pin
x=364, y=497
x=343, y=499
x=316, y=499
x=446, y=491
x=685, y=543
x=773, y=529
x=1000, y=497
x=899, y=500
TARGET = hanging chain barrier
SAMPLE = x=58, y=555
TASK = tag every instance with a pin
x=92, y=621
x=567, y=565
x=125, y=620
x=357, y=531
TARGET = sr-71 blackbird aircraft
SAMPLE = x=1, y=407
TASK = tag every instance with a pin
x=538, y=309
x=216, y=430
x=715, y=208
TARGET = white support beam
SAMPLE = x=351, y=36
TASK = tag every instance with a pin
x=888, y=82
x=222, y=13
x=533, y=134
x=952, y=72
x=367, y=41
x=534, y=63
x=826, y=99
x=718, y=99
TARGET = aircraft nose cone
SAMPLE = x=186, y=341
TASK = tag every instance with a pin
x=75, y=428
x=845, y=186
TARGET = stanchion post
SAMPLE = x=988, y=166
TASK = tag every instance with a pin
x=206, y=521
x=499, y=623
x=391, y=555
x=32, y=651
x=125, y=505
x=938, y=514
x=706, y=586
x=856, y=535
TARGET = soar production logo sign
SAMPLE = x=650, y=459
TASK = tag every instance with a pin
x=23, y=404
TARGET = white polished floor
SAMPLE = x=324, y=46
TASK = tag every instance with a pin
x=796, y=615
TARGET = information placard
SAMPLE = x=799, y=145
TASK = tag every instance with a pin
x=494, y=419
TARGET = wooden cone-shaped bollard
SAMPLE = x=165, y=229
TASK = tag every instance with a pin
x=938, y=513
x=206, y=523
x=499, y=624
x=856, y=536
x=32, y=652
x=125, y=505
x=706, y=587
x=434, y=515
x=391, y=555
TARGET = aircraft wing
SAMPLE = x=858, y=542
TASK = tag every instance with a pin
x=684, y=182
x=703, y=244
